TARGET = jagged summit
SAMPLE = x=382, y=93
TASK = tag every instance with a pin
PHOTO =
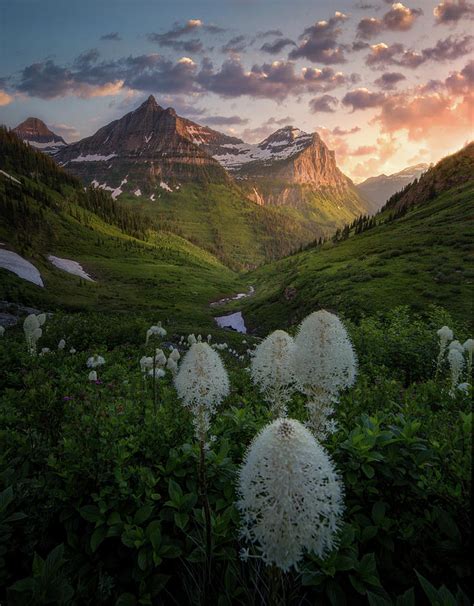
x=35, y=132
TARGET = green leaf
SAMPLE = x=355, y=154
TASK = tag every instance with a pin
x=368, y=470
x=126, y=599
x=181, y=520
x=335, y=593
x=430, y=590
x=378, y=512
x=153, y=532
x=407, y=599
x=377, y=600
x=97, y=537
x=15, y=517
x=143, y=514
x=6, y=497
x=142, y=558
x=174, y=489
x=90, y=513
x=114, y=518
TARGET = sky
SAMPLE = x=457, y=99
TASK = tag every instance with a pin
x=386, y=85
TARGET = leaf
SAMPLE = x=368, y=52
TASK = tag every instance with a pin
x=114, y=518
x=430, y=590
x=142, y=558
x=378, y=512
x=126, y=599
x=97, y=537
x=6, y=497
x=15, y=517
x=377, y=600
x=23, y=585
x=181, y=520
x=407, y=599
x=368, y=470
x=175, y=491
x=335, y=593
x=90, y=513
x=143, y=514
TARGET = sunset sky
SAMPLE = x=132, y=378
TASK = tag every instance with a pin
x=386, y=85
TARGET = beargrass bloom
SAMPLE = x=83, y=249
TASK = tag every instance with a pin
x=192, y=340
x=290, y=496
x=146, y=362
x=155, y=331
x=469, y=349
x=273, y=370
x=160, y=358
x=456, y=345
x=202, y=383
x=2, y=331
x=95, y=361
x=456, y=364
x=325, y=364
x=33, y=331
x=157, y=373
x=175, y=355
x=61, y=344
x=445, y=335
x=92, y=375
x=172, y=366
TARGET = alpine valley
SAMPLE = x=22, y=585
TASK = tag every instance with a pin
x=244, y=203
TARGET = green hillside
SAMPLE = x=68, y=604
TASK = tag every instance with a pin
x=135, y=266
x=419, y=255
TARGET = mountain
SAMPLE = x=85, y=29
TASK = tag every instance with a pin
x=244, y=203
x=417, y=251
x=35, y=132
x=145, y=150
x=377, y=190
x=48, y=219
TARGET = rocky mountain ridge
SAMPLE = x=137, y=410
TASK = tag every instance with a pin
x=35, y=132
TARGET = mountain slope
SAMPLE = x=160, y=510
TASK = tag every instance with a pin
x=377, y=190
x=416, y=256
x=45, y=211
x=35, y=132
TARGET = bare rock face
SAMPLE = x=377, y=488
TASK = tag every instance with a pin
x=35, y=132
x=147, y=148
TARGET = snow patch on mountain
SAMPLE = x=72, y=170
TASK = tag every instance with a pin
x=13, y=262
x=10, y=177
x=70, y=266
x=165, y=186
x=92, y=158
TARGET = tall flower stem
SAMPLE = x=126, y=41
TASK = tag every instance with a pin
x=205, y=504
x=276, y=587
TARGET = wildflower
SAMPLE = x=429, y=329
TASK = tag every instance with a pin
x=155, y=331
x=445, y=335
x=273, y=369
x=325, y=363
x=469, y=348
x=191, y=340
x=2, y=331
x=61, y=344
x=199, y=338
x=92, y=375
x=146, y=362
x=202, y=383
x=290, y=496
x=456, y=345
x=456, y=364
x=68, y=398
x=464, y=387
x=44, y=351
x=157, y=373
x=32, y=329
x=175, y=355
x=95, y=361
x=172, y=366
x=160, y=358
x=209, y=338
x=72, y=350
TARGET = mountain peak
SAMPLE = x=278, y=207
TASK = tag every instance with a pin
x=35, y=132
x=150, y=104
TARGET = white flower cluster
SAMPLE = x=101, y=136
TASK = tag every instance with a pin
x=95, y=361
x=325, y=364
x=456, y=356
x=2, y=331
x=273, y=370
x=202, y=383
x=155, y=331
x=290, y=496
x=33, y=331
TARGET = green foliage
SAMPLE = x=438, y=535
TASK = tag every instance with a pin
x=91, y=468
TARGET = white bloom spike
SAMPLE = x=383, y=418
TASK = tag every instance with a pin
x=95, y=361
x=202, y=383
x=273, y=369
x=160, y=358
x=456, y=345
x=445, y=335
x=32, y=330
x=92, y=375
x=2, y=331
x=469, y=348
x=155, y=331
x=146, y=362
x=325, y=364
x=290, y=496
x=61, y=344
x=456, y=364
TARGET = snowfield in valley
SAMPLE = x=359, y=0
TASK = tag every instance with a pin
x=21, y=267
x=70, y=266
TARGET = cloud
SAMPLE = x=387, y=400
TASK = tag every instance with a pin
x=276, y=80
x=187, y=46
x=398, y=18
x=385, y=149
x=362, y=98
x=115, y=36
x=382, y=55
x=179, y=30
x=389, y=80
x=225, y=120
x=341, y=132
x=449, y=12
x=70, y=133
x=457, y=83
x=269, y=32
x=325, y=103
x=277, y=46
x=5, y=98
x=235, y=45
x=255, y=135
x=319, y=43
x=364, y=150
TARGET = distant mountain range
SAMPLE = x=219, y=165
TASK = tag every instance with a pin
x=35, y=132
x=377, y=190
